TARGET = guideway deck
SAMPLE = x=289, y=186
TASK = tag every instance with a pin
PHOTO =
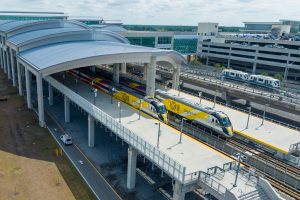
x=198, y=159
x=274, y=136
x=147, y=128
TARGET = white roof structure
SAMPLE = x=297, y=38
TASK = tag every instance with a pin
x=51, y=46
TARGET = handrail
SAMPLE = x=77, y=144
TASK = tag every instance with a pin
x=166, y=163
x=239, y=109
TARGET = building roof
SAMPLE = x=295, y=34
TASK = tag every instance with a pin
x=29, y=36
x=63, y=56
x=59, y=45
x=33, y=14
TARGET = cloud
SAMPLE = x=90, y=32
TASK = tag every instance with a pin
x=178, y=12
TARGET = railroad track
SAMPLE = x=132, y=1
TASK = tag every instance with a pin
x=286, y=168
x=279, y=185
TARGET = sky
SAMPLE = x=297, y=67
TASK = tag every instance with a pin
x=167, y=12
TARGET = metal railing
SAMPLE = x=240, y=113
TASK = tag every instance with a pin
x=233, y=86
x=166, y=163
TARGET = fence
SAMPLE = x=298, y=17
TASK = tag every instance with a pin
x=170, y=166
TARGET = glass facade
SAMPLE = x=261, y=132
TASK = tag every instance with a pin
x=164, y=40
x=295, y=25
x=185, y=46
x=259, y=27
x=142, y=41
x=25, y=18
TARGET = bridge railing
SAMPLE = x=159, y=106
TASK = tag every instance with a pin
x=169, y=165
x=236, y=108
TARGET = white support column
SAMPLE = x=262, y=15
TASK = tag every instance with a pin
x=67, y=109
x=40, y=98
x=116, y=73
x=4, y=60
x=176, y=77
x=151, y=73
x=178, y=194
x=12, y=65
x=131, y=168
x=286, y=72
x=1, y=55
x=19, y=79
x=8, y=66
x=145, y=71
x=91, y=131
x=50, y=93
x=123, y=68
x=28, y=87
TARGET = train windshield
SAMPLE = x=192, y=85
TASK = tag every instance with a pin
x=161, y=109
x=225, y=121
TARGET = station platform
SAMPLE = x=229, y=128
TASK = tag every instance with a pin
x=147, y=128
x=271, y=135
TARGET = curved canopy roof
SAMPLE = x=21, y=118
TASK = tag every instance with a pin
x=63, y=56
x=58, y=45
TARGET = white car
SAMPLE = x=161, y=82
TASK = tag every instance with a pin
x=66, y=139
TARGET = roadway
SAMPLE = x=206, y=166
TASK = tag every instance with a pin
x=97, y=183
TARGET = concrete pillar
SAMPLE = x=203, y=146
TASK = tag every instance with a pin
x=91, y=131
x=40, y=98
x=8, y=65
x=116, y=73
x=19, y=79
x=248, y=103
x=145, y=71
x=28, y=87
x=13, y=73
x=178, y=193
x=207, y=60
x=151, y=73
x=4, y=60
x=67, y=109
x=286, y=72
x=1, y=55
x=176, y=78
x=123, y=68
x=50, y=93
x=228, y=100
x=93, y=69
x=228, y=62
x=131, y=167
x=254, y=68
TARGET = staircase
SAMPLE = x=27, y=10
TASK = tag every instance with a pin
x=258, y=194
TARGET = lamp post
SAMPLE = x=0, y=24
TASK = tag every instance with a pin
x=119, y=106
x=238, y=169
x=215, y=98
x=140, y=106
x=200, y=96
x=95, y=95
x=287, y=70
x=76, y=80
x=181, y=129
x=248, y=116
x=264, y=116
x=158, y=134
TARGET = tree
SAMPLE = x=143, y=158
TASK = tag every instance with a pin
x=265, y=74
x=279, y=76
x=219, y=67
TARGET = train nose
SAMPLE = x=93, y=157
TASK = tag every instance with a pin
x=230, y=131
x=164, y=118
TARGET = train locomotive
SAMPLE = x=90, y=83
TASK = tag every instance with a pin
x=149, y=105
x=197, y=114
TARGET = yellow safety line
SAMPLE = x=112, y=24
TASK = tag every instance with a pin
x=170, y=127
x=251, y=137
x=261, y=142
